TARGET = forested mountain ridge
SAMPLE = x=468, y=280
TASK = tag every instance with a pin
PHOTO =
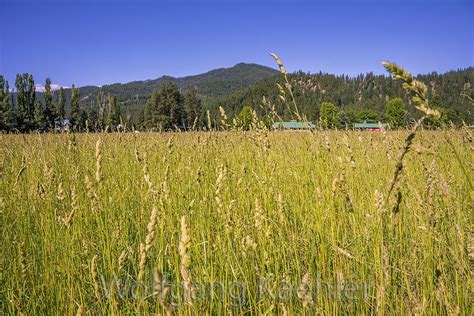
x=360, y=97
x=214, y=83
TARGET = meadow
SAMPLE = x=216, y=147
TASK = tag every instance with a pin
x=256, y=222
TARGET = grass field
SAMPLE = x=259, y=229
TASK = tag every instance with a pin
x=236, y=222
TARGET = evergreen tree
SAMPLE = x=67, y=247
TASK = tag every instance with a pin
x=26, y=96
x=93, y=120
x=61, y=105
x=39, y=115
x=75, y=109
x=138, y=120
x=102, y=113
x=328, y=115
x=192, y=107
x=151, y=110
x=114, y=113
x=170, y=108
x=395, y=113
x=6, y=110
x=84, y=120
x=49, y=111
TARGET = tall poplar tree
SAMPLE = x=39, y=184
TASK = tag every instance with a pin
x=75, y=109
x=39, y=116
x=26, y=96
x=49, y=110
x=102, y=113
x=61, y=105
x=114, y=112
x=151, y=110
x=6, y=110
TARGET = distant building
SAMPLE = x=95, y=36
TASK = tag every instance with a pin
x=370, y=126
x=293, y=125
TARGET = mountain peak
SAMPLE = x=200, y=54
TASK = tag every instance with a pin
x=215, y=83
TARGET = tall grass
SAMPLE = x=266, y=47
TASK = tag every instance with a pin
x=250, y=213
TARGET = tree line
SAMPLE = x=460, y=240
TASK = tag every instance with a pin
x=330, y=101
x=25, y=110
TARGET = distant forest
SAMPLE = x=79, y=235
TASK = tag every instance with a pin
x=236, y=93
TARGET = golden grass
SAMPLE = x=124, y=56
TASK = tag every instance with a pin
x=251, y=209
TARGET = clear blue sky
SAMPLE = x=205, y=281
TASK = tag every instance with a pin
x=103, y=41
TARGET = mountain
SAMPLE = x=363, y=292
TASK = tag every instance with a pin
x=213, y=84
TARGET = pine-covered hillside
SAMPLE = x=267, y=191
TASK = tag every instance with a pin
x=362, y=97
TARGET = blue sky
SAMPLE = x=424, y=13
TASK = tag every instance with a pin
x=103, y=41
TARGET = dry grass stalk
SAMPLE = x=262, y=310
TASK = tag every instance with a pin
x=281, y=209
x=94, y=276
x=121, y=260
x=22, y=259
x=193, y=128
x=271, y=107
x=60, y=195
x=417, y=91
x=350, y=159
x=21, y=171
x=403, y=152
x=138, y=158
x=261, y=221
x=184, y=243
x=80, y=310
x=339, y=184
x=145, y=247
x=48, y=175
x=224, y=118
x=379, y=202
x=218, y=188
x=209, y=122
x=304, y=291
x=288, y=87
x=98, y=161
x=147, y=177
x=344, y=253
x=74, y=207
x=385, y=141
x=17, y=306
x=91, y=194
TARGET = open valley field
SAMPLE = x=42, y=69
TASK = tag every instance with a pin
x=236, y=222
